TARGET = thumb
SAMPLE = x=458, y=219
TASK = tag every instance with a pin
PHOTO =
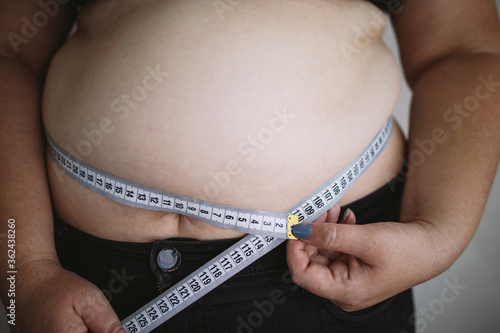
x=356, y=240
x=99, y=316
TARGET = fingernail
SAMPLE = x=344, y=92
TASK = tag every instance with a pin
x=346, y=214
x=302, y=231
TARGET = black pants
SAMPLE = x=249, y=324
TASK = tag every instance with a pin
x=261, y=298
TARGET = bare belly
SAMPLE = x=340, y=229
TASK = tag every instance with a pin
x=253, y=105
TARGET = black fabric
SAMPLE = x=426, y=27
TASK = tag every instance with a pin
x=391, y=6
x=261, y=298
x=386, y=5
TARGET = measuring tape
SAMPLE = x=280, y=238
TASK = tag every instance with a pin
x=266, y=229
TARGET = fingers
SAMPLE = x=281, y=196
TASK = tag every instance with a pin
x=356, y=240
x=332, y=216
x=333, y=213
x=99, y=316
x=348, y=218
x=311, y=253
x=298, y=254
x=346, y=238
x=324, y=255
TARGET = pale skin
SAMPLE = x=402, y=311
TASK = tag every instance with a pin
x=445, y=46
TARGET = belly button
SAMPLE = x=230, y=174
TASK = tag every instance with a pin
x=168, y=259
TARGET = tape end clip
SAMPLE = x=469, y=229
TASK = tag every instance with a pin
x=292, y=220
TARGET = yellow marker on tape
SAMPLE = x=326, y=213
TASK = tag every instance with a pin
x=292, y=220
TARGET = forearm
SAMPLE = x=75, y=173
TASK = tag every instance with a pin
x=25, y=194
x=454, y=148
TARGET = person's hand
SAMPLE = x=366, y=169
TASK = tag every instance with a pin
x=357, y=266
x=52, y=299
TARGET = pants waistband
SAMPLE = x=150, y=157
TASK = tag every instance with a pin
x=380, y=205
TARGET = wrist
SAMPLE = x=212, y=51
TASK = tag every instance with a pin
x=26, y=275
x=442, y=247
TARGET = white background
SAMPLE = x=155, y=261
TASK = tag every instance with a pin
x=477, y=308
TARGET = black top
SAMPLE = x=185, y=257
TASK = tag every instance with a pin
x=386, y=5
x=382, y=4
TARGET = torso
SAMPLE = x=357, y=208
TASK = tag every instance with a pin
x=253, y=105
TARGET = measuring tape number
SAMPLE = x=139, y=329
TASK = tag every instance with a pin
x=266, y=229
